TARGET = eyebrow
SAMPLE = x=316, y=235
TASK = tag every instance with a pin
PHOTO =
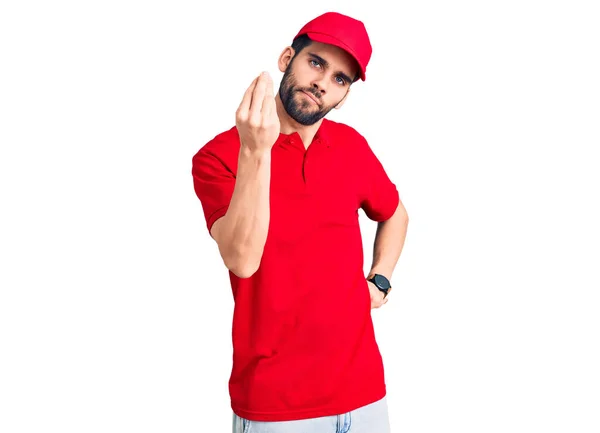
x=325, y=63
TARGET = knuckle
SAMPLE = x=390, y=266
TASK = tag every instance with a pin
x=254, y=122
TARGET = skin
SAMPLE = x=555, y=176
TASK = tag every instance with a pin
x=388, y=244
x=321, y=71
x=324, y=72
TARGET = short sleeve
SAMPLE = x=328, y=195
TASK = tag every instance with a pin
x=379, y=195
x=213, y=184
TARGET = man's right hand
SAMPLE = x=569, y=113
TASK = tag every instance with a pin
x=256, y=117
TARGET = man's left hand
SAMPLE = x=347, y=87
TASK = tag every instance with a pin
x=377, y=296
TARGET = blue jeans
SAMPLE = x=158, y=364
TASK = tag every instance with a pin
x=372, y=418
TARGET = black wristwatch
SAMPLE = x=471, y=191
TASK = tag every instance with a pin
x=381, y=282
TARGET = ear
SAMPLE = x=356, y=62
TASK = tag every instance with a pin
x=339, y=105
x=285, y=58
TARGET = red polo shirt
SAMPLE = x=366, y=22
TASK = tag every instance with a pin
x=303, y=338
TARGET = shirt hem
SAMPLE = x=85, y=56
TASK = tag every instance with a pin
x=384, y=216
x=220, y=212
x=305, y=414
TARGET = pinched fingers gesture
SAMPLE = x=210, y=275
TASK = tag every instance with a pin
x=256, y=117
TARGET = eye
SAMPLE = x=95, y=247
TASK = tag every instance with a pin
x=313, y=62
x=340, y=80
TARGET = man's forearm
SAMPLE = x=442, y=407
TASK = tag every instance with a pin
x=245, y=226
x=389, y=241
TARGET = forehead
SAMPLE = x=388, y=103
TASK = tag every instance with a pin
x=338, y=58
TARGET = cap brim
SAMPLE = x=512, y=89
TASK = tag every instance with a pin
x=326, y=39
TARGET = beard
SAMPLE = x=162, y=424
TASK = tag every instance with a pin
x=304, y=112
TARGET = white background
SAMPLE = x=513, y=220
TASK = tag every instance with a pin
x=115, y=309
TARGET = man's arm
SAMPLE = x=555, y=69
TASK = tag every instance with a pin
x=389, y=241
x=242, y=232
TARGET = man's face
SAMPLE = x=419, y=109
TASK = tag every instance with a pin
x=322, y=71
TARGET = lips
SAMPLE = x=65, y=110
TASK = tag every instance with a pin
x=311, y=96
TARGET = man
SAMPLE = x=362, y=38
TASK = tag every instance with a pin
x=280, y=193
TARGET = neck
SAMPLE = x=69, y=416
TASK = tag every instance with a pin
x=289, y=125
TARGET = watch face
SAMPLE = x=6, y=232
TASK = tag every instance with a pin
x=382, y=282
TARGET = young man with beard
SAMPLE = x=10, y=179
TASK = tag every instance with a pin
x=280, y=193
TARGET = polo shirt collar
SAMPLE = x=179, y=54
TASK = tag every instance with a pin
x=322, y=134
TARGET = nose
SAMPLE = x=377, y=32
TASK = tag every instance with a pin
x=318, y=86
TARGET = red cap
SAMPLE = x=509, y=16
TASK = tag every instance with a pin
x=342, y=31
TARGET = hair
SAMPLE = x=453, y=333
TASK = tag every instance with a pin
x=304, y=41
